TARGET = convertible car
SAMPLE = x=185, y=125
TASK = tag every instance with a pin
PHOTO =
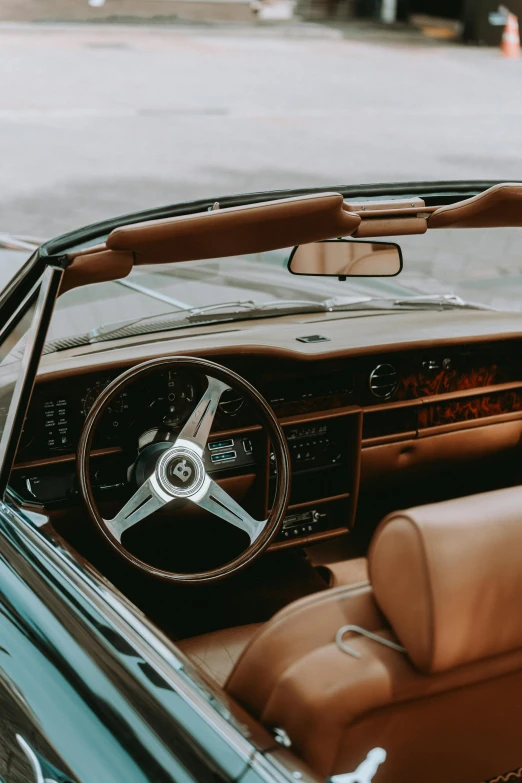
x=260, y=469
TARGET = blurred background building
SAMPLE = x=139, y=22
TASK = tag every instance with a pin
x=465, y=20
x=471, y=21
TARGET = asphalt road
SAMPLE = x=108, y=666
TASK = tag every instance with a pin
x=101, y=120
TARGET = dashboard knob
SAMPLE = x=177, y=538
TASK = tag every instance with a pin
x=332, y=452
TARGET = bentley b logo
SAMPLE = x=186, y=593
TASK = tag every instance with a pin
x=183, y=471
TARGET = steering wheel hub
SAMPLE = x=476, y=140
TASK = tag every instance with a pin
x=180, y=472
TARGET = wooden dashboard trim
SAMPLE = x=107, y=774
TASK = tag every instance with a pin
x=65, y=458
x=398, y=404
x=329, y=499
x=304, y=418
x=314, y=538
x=476, y=391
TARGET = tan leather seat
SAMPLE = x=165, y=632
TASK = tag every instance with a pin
x=345, y=572
x=218, y=652
x=448, y=578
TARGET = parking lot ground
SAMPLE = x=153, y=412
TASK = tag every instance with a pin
x=99, y=120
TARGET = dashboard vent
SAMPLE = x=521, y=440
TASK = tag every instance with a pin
x=383, y=381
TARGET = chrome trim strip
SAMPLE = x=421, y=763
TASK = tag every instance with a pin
x=9, y=242
x=142, y=289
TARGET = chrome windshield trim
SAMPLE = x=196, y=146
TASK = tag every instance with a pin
x=142, y=289
x=10, y=242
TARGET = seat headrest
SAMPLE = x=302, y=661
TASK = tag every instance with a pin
x=448, y=577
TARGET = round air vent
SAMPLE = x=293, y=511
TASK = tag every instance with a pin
x=383, y=381
x=231, y=402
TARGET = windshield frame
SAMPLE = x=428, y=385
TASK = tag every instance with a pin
x=42, y=293
x=434, y=193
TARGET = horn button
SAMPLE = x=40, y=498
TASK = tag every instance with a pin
x=180, y=472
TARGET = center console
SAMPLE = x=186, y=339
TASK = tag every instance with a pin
x=324, y=455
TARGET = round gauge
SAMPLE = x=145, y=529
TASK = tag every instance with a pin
x=27, y=435
x=231, y=402
x=117, y=415
x=171, y=399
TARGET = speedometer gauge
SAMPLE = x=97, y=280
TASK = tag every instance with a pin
x=117, y=415
x=170, y=400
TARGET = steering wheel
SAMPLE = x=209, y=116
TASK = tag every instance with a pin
x=179, y=472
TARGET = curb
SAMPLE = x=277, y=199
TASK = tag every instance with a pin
x=296, y=30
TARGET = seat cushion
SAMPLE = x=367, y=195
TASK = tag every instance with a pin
x=345, y=572
x=219, y=651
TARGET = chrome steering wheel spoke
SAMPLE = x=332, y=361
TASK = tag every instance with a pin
x=150, y=497
x=179, y=465
x=197, y=427
x=213, y=498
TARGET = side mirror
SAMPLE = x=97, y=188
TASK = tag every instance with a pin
x=344, y=258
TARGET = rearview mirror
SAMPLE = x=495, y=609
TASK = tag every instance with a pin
x=344, y=258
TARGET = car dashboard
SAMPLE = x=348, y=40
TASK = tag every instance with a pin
x=367, y=432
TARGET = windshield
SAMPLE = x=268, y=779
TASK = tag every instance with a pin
x=480, y=266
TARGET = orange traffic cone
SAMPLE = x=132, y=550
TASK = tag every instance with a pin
x=510, y=46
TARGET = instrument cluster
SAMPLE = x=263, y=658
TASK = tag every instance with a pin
x=162, y=400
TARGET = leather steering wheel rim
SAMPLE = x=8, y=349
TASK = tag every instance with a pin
x=224, y=378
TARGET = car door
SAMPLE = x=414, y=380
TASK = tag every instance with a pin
x=89, y=693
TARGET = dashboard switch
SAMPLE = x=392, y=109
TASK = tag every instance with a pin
x=225, y=456
x=217, y=445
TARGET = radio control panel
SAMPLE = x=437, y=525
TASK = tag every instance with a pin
x=302, y=524
x=312, y=447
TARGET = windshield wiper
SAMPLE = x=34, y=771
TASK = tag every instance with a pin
x=201, y=315
x=248, y=308
x=106, y=330
x=233, y=311
x=12, y=242
x=443, y=301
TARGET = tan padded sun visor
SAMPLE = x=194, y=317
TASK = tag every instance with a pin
x=253, y=228
x=98, y=266
x=497, y=207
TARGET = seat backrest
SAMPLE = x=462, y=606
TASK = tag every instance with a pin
x=446, y=584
